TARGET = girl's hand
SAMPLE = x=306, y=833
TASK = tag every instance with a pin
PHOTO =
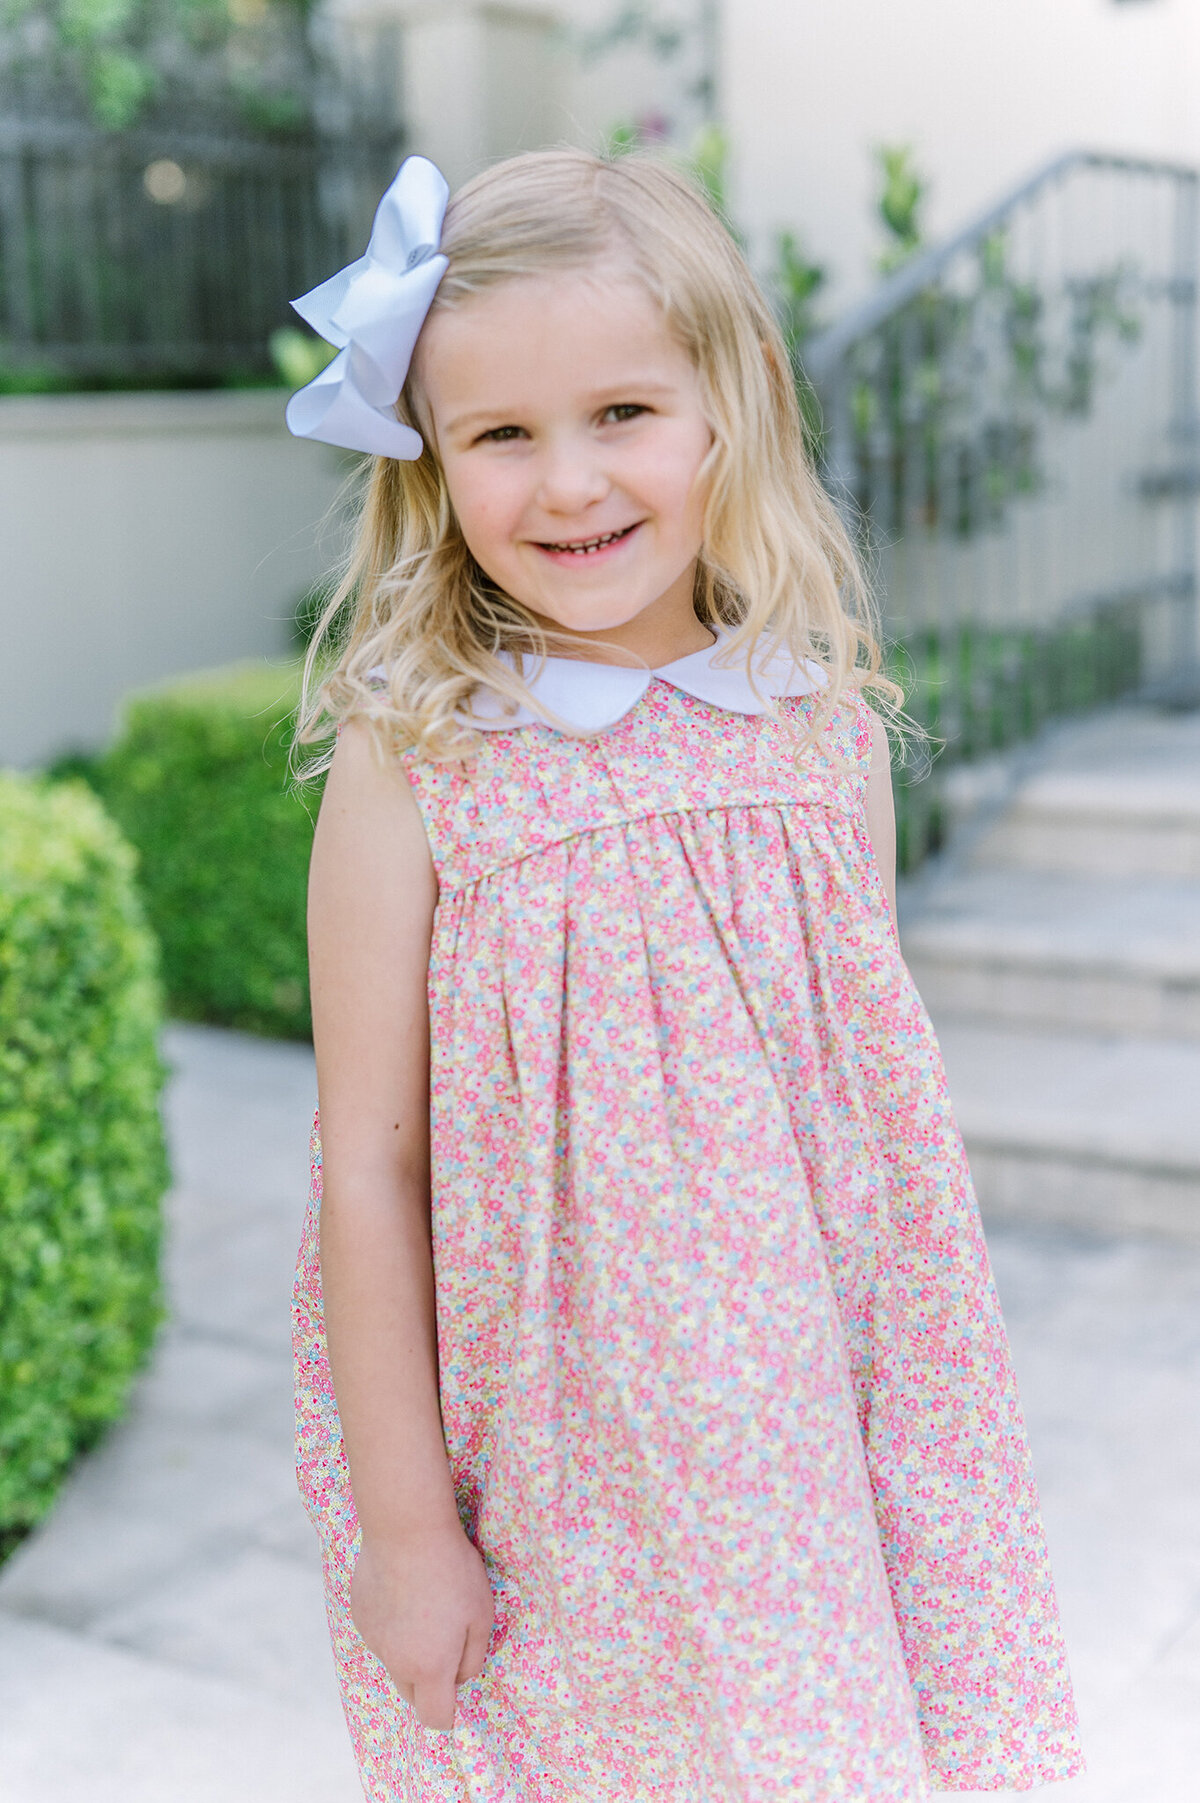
x=423, y=1604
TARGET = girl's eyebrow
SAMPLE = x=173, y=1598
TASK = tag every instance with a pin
x=628, y=390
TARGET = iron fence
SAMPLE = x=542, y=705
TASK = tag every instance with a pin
x=1012, y=418
x=168, y=255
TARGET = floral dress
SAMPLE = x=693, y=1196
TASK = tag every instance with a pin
x=726, y=1391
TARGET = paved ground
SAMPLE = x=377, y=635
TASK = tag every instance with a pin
x=162, y=1639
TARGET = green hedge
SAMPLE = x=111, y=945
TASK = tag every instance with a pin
x=198, y=781
x=82, y=1163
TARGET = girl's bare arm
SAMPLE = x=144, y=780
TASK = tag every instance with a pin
x=420, y=1598
x=881, y=810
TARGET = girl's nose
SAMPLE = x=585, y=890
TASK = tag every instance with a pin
x=570, y=479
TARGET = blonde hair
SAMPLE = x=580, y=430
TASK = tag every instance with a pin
x=777, y=564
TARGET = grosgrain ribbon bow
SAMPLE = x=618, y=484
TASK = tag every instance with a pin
x=373, y=311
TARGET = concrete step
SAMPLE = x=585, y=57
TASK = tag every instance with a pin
x=1114, y=794
x=1100, y=823
x=1110, y=955
x=1078, y=1130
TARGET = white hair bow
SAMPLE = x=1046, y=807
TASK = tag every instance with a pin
x=373, y=310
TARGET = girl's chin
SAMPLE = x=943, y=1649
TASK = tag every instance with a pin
x=609, y=619
x=599, y=612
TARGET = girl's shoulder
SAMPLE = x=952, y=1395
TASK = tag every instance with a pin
x=864, y=728
x=845, y=739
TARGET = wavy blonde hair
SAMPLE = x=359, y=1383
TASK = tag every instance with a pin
x=777, y=564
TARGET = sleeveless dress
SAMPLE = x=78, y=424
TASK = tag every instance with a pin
x=726, y=1391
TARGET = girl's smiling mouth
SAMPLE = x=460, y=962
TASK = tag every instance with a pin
x=578, y=549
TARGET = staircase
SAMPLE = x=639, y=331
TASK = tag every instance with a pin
x=1057, y=947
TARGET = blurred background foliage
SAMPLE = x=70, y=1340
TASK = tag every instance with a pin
x=902, y=192
x=198, y=780
x=231, y=62
x=82, y=1160
x=173, y=172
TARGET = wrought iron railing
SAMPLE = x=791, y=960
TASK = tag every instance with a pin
x=168, y=255
x=1012, y=418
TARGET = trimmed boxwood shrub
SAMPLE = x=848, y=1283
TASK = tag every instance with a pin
x=198, y=781
x=82, y=1162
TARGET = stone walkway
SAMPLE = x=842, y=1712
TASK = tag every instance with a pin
x=162, y=1637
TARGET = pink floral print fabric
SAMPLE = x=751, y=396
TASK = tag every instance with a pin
x=726, y=1390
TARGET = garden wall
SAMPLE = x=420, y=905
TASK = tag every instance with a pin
x=144, y=535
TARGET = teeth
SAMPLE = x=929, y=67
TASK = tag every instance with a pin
x=591, y=544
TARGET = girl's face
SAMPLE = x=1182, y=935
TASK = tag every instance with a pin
x=569, y=426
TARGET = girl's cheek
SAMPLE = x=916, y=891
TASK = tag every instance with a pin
x=666, y=466
x=480, y=499
x=489, y=529
x=668, y=487
x=495, y=512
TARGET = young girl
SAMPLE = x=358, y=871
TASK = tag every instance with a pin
x=655, y=1410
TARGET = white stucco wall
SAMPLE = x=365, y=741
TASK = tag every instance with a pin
x=628, y=84
x=983, y=89
x=480, y=79
x=144, y=535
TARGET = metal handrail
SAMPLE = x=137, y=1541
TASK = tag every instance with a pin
x=1028, y=503
x=897, y=290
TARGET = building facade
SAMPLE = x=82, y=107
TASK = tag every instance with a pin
x=982, y=90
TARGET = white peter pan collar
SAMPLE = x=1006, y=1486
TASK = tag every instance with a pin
x=592, y=696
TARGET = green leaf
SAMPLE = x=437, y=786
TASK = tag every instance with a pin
x=119, y=86
x=94, y=21
x=299, y=356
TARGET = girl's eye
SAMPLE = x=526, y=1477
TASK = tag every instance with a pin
x=624, y=410
x=500, y=434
